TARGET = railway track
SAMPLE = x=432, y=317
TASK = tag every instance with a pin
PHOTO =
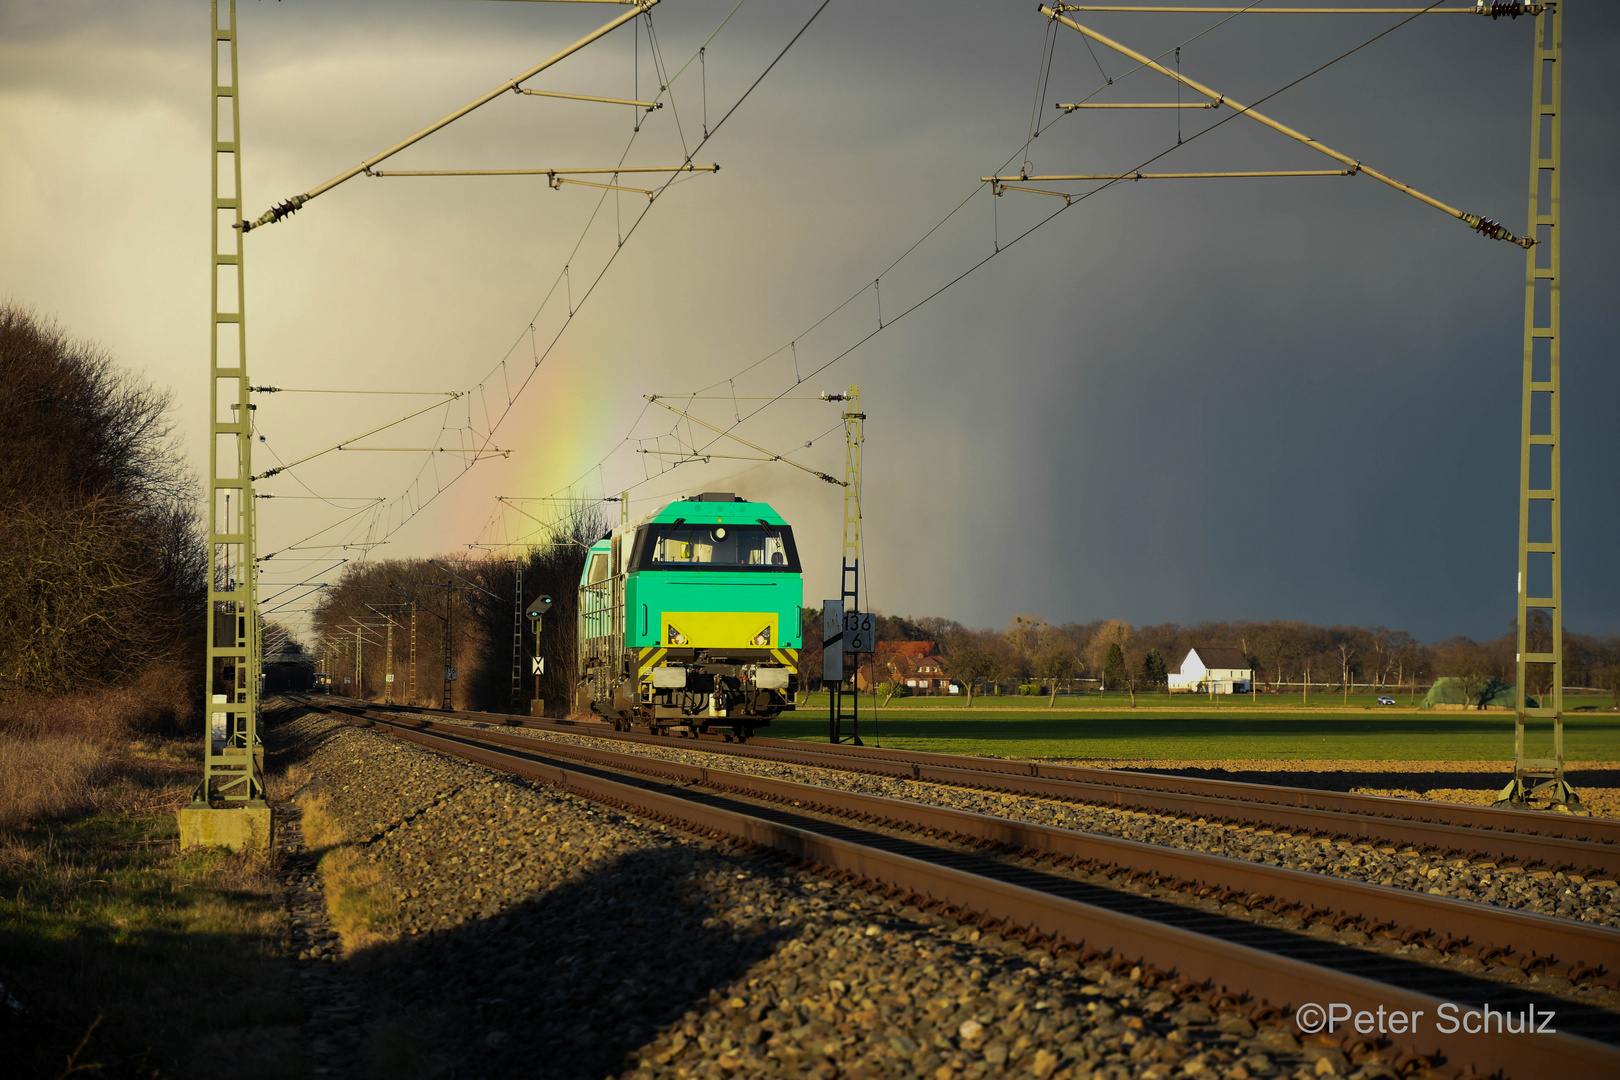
x=1261, y=970
x=1590, y=846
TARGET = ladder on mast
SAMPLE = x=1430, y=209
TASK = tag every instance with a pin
x=233, y=753
x=844, y=705
x=1540, y=609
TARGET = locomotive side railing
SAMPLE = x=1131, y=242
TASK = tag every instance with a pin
x=599, y=648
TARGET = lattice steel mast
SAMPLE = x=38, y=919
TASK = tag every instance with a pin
x=844, y=705
x=517, y=632
x=1540, y=607
x=232, y=750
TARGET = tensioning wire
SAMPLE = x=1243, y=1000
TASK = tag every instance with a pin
x=1086, y=195
x=440, y=485
x=979, y=263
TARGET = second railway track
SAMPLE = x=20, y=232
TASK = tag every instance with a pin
x=1590, y=846
x=1269, y=970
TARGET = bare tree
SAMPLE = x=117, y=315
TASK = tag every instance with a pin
x=1468, y=667
x=1027, y=636
x=1055, y=663
x=971, y=663
x=1345, y=651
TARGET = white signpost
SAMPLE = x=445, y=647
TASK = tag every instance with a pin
x=537, y=665
x=832, y=641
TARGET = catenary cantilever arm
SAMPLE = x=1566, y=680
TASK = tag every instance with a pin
x=1479, y=224
x=654, y=398
x=281, y=210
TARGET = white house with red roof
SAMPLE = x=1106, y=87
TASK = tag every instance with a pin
x=1213, y=670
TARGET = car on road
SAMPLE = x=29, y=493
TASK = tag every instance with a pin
x=1386, y=701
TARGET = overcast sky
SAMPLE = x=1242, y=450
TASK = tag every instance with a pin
x=1174, y=401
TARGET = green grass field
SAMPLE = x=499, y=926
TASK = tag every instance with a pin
x=1186, y=727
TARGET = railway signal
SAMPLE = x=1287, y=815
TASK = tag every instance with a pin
x=537, y=664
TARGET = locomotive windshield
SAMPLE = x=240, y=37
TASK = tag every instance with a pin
x=732, y=546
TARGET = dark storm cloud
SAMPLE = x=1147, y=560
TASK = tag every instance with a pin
x=1223, y=399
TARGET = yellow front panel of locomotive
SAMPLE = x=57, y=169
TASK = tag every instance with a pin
x=719, y=629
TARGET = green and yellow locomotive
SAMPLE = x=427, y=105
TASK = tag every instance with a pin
x=691, y=620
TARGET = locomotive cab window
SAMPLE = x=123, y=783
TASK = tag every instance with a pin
x=733, y=546
x=599, y=569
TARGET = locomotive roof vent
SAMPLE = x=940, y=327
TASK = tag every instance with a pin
x=715, y=496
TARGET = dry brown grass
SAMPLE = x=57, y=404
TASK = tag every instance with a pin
x=162, y=698
x=321, y=829
x=81, y=753
x=54, y=776
x=49, y=776
x=360, y=902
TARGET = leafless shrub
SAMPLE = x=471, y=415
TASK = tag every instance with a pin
x=102, y=561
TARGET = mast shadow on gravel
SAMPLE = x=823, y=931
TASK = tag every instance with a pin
x=566, y=985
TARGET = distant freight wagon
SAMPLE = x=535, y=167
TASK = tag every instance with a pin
x=691, y=621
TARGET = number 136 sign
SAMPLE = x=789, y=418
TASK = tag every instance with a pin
x=860, y=632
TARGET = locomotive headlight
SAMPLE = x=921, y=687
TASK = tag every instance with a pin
x=676, y=637
x=720, y=533
x=763, y=637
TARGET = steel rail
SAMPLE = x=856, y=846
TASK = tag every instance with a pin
x=1601, y=830
x=1231, y=973
x=1533, y=941
x=1586, y=844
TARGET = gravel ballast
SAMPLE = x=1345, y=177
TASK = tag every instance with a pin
x=545, y=935
x=1565, y=895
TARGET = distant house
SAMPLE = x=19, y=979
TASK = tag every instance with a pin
x=1211, y=670
x=915, y=664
